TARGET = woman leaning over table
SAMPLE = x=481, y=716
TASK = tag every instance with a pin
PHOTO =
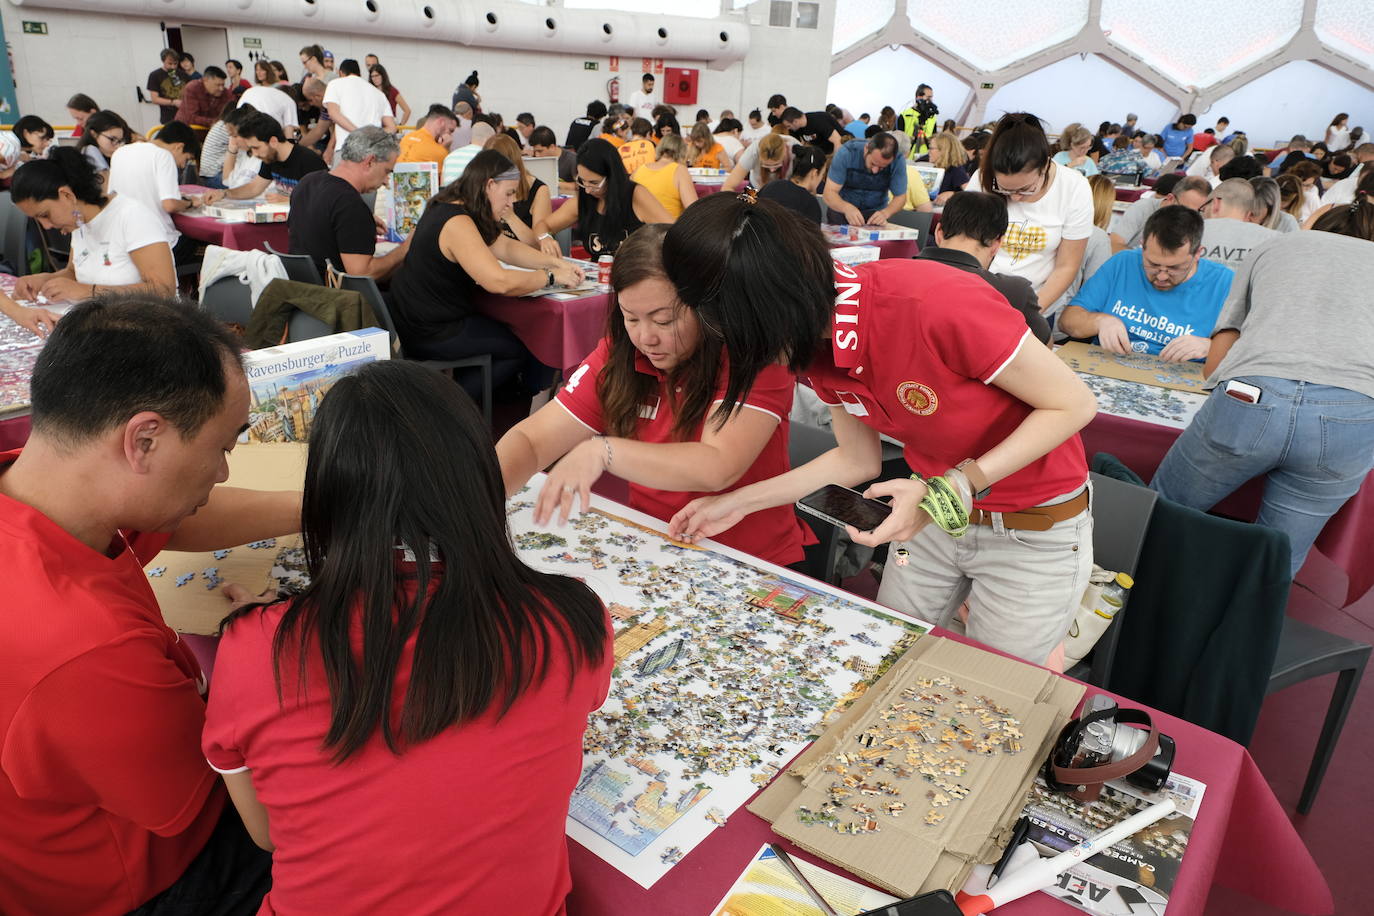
x=1049, y=207
x=608, y=206
x=532, y=201
x=456, y=250
x=648, y=406
x=117, y=243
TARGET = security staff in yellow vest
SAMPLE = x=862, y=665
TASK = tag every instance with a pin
x=917, y=120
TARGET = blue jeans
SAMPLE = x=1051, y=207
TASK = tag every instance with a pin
x=1315, y=443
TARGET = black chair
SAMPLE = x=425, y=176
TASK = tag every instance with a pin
x=915, y=219
x=373, y=296
x=1121, y=517
x=1306, y=652
x=305, y=326
x=299, y=267
x=229, y=300
x=803, y=444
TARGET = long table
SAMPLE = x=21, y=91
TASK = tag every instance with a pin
x=560, y=332
x=237, y=236
x=1141, y=446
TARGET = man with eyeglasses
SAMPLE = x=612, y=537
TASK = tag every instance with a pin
x=1231, y=231
x=1163, y=299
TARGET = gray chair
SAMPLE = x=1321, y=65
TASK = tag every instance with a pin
x=305, y=326
x=564, y=239
x=1121, y=517
x=915, y=219
x=1306, y=652
x=229, y=300
x=299, y=267
x=14, y=228
x=373, y=296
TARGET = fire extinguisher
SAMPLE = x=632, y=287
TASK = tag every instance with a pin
x=613, y=89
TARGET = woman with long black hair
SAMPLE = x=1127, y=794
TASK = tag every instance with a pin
x=647, y=406
x=608, y=206
x=406, y=733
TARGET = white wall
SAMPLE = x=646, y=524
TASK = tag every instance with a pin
x=1297, y=98
x=1088, y=91
x=890, y=77
x=107, y=56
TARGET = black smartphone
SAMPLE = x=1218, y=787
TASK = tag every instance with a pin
x=935, y=903
x=842, y=506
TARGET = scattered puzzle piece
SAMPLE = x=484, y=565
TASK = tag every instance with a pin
x=157, y=571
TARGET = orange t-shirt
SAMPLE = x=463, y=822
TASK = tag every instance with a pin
x=635, y=153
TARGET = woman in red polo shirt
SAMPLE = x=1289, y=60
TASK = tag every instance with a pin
x=648, y=406
x=406, y=733
x=935, y=358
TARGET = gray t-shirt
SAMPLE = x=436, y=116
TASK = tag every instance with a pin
x=1299, y=304
x=1130, y=225
x=750, y=162
x=1228, y=241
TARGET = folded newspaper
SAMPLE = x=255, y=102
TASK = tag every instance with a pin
x=1132, y=878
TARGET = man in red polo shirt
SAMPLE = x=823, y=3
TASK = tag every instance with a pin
x=107, y=804
x=933, y=357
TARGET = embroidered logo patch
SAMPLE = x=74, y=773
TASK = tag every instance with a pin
x=917, y=398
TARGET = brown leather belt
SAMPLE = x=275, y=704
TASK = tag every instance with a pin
x=1040, y=518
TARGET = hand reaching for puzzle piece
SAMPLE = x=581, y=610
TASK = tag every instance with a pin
x=239, y=596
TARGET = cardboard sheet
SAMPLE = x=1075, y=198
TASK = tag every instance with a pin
x=1133, y=367
x=197, y=605
x=908, y=856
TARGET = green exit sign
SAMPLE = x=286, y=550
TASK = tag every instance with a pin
x=590, y=65
x=35, y=28
x=252, y=42
x=985, y=85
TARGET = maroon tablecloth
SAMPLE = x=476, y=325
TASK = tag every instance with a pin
x=1129, y=194
x=559, y=332
x=238, y=236
x=705, y=189
x=1345, y=540
x=1242, y=839
x=14, y=432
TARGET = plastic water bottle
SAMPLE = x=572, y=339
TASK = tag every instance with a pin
x=1092, y=619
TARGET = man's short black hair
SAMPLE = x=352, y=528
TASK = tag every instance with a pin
x=180, y=132
x=525, y=117
x=260, y=126
x=439, y=111
x=884, y=143
x=214, y=71
x=117, y=355
x=238, y=64
x=648, y=76
x=791, y=114
x=169, y=54
x=1246, y=167
x=975, y=215
x=349, y=67
x=1164, y=185
x=776, y=100
x=1172, y=227
x=187, y=55
x=543, y=136
x=596, y=109
x=1190, y=119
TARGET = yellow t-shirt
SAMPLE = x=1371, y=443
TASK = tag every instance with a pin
x=916, y=193
x=419, y=146
x=662, y=183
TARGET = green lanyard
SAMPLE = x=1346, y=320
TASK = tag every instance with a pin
x=944, y=505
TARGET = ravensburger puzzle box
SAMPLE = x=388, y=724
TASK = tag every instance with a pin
x=924, y=775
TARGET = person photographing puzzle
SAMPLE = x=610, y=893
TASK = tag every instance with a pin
x=935, y=358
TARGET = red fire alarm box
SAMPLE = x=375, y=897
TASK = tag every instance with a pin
x=680, y=86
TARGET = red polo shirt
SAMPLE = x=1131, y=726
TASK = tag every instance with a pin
x=104, y=796
x=775, y=534
x=916, y=348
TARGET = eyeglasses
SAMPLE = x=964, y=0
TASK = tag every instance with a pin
x=1177, y=270
x=1205, y=205
x=115, y=140
x=590, y=185
x=1028, y=191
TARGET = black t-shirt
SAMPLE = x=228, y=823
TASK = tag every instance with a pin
x=600, y=234
x=1098, y=147
x=431, y=295
x=794, y=197
x=955, y=179
x=289, y=171
x=522, y=207
x=168, y=85
x=328, y=219
x=578, y=132
x=819, y=127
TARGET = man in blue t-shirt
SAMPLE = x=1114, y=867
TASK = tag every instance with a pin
x=867, y=182
x=1178, y=137
x=1163, y=298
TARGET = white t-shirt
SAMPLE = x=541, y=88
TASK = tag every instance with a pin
x=642, y=104
x=100, y=248
x=731, y=144
x=1343, y=191
x=272, y=102
x=1337, y=138
x=359, y=101
x=1035, y=230
x=9, y=149
x=246, y=168
x=147, y=173
x=751, y=134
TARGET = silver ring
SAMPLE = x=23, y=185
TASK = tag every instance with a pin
x=569, y=488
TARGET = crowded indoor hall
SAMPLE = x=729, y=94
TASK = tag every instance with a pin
x=592, y=445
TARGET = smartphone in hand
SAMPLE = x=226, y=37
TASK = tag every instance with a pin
x=842, y=506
